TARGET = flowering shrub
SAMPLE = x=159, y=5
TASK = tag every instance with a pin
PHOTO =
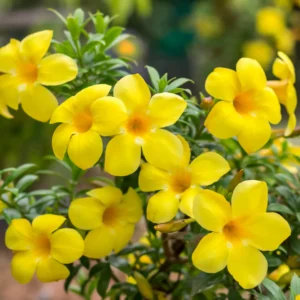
x=212, y=188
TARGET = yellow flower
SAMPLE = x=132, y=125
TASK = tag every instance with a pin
x=86, y=116
x=26, y=71
x=42, y=248
x=259, y=50
x=285, y=41
x=279, y=272
x=208, y=26
x=297, y=297
x=240, y=230
x=285, y=4
x=179, y=181
x=248, y=105
x=269, y=21
x=141, y=127
x=283, y=69
x=289, y=161
x=110, y=217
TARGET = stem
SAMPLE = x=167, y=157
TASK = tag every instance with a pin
x=279, y=133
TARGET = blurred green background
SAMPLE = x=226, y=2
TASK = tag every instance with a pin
x=186, y=38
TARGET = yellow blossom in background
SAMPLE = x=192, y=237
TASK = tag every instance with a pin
x=270, y=21
x=260, y=51
x=207, y=26
x=283, y=69
x=110, y=217
x=279, y=272
x=132, y=48
x=86, y=116
x=288, y=161
x=142, y=119
x=239, y=232
x=42, y=248
x=179, y=183
x=26, y=70
x=247, y=105
x=285, y=41
x=285, y=4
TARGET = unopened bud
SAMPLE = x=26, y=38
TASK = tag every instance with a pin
x=143, y=286
x=207, y=102
x=173, y=225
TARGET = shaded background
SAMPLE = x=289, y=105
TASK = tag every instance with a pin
x=185, y=38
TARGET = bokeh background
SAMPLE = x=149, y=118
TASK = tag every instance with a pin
x=185, y=38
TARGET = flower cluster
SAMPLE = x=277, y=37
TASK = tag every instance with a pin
x=131, y=123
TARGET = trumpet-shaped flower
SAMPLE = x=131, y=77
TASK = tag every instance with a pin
x=110, y=217
x=141, y=127
x=26, y=70
x=239, y=232
x=283, y=69
x=247, y=105
x=179, y=183
x=86, y=116
x=42, y=248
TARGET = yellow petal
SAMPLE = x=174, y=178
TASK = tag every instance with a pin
x=128, y=162
x=211, y=210
x=86, y=213
x=108, y=115
x=162, y=207
x=57, y=69
x=36, y=45
x=38, y=102
x=152, y=178
x=85, y=149
x=66, y=245
x=267, y=105
x=4, y=110
x=283, y=68
x=291, y=101
x=163, y=149
x=248, y=266
x=223, y=84
x=23, y=266
x=280, y=87
x=9, y=90
x=131, y=207
x=187, y=201
x=108, y=195
x=133, y=91
x=82, y=101
x=186, y=151
x=47, y=223
x=249, y=197
x=224, y=121
x=165, y=109
x=267, y=231
x=19, y=235
x=208, y=168
x=255, y=133
x=9, y=57
x=61, y=138
x=48, y=270
x=211, y=254
x=251, y=74
x=292, y=122
x=123, y=235
x=99, y=242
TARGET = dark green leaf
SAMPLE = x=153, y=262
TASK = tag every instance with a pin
x=204, y=281
x=103, y=280
x=274, y=289
x=18, y=172
x=121, y=264
x=26, y=182
x=281, y=208
x=177, y=83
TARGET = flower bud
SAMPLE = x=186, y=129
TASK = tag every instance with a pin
x=173, y=225
x=143, y=286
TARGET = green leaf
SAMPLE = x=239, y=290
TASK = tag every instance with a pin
x=85, y=262
x=26, y=182
x=103, y=280
x=111, y=35
x=204, y=281
x=10, y=213
x=73, y=272
x=58, y=15
x=154, y=77
x=274, y=289
x=281, y=208
x=18, y=172
x=121, y=264
x=79, y=15
x=295, y=287
x=177, y=83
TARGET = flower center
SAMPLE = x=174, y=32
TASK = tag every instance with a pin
x=244, y=103
x=83, y=121
x=42, y=245
x=110, y=216
x=181, y=180
x=233, y=231
x=28, y=72
x=138, y=124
